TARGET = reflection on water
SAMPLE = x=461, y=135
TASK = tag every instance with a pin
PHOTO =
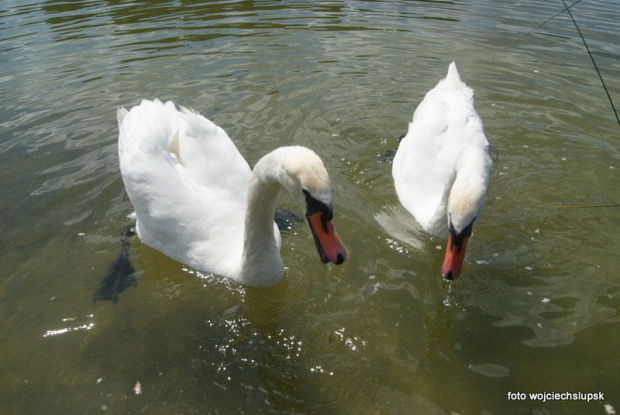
x=71, y=327
x=537, y=308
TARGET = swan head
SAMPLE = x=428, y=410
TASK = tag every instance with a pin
x=465, y=204
x=455, y=250
x=327, y=242
x=302, y=173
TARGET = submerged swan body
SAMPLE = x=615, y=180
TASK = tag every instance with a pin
x=441, y=168
x=198, y=202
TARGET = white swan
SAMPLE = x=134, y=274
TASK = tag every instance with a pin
x=441, y=169
x=197, y=201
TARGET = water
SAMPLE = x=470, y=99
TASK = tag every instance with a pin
x=537, y=308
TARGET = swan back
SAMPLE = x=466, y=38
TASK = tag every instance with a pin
x=187, y=183
x=204, y=150
x=443, y=151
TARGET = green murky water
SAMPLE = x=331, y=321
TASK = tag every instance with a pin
x=536, y=310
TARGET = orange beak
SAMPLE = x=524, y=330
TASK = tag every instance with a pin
x=453, y=261
x=326, y=239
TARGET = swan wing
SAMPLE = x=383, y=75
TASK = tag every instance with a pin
x=205, y=151
x=187, y=182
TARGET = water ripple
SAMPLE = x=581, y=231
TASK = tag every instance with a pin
x=382, y=333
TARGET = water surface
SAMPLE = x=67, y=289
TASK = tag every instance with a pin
x=537, y=308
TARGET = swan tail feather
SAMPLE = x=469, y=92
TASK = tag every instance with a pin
x=121, y=112
x=453, y=76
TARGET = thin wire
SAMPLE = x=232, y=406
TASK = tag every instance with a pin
x=593, y=61
x=567, y=8
x=581, y=206
x=541, y=25
x=538, y=202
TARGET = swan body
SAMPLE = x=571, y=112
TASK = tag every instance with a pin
x=197, y=201
x=441, y=168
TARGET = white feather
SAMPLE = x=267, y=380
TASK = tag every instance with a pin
x=190, y=187
x=442, y=165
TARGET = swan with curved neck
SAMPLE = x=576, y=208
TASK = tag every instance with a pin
x=197, y=201
x=441, y=168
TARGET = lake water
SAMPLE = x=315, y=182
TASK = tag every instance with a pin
x=537, y=308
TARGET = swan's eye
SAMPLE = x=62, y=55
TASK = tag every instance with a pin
x=314, y=205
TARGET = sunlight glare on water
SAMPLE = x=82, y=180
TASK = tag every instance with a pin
x=537, y=307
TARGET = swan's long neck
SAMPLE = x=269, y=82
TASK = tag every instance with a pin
x=261, y=264
x=469, y=187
